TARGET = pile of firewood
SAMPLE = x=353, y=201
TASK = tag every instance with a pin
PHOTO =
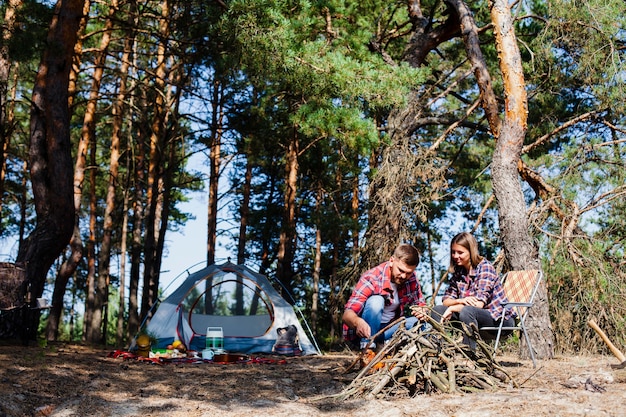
x=430, y=361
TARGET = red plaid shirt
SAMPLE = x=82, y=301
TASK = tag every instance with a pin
x=483, y=283
x=377, y=281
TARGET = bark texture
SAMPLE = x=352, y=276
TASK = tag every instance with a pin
x=50, y=153
x=519, y=249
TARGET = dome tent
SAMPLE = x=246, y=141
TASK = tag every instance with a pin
x=240, y=301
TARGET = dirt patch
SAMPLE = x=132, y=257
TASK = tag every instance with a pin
x=74, y=380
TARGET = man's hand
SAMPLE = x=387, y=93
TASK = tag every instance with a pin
x=363, y=329
x=360, y=326
x=420, y=312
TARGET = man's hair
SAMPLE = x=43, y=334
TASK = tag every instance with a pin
x=468, y=241
x=407, y=253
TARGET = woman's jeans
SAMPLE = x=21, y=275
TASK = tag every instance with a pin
x=372, y=314
x=469, y=314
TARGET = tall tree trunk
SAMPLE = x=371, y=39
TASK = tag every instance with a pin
x=354, y=215
x=317, y=266
x=157, y=143
x=119, y=334
x=6, y=123
x=335, y=299
x=66, y=270
x=171, y=167
x=518, y=246
x=134, y=320
x=87, y=137
x=78, y=53
x=23, y=203
x=118, y=121
x=7, y=128
x=137, y=175
x=217, y=128
x=98, y=291
x=96, y=302
x=50, y=154
x=284, y=270
x=244, y=210
x=104, y=260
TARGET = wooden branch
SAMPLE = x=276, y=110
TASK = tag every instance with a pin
x=482, y=212
x=568, y=124
x=469, y=32
x=428, y=361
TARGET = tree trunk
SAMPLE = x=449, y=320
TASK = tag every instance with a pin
x=97, y=290
x=134, y=320
x=355, y=214
x=50, y=154
x=102, y=275
x=6, y=123
x=137, y=174
x=284, y=270
x=217, y=128
x=217, y=120
x=157, y=143
x=118, y=121
x=244, y=210
x=66, y=270
x=317, y=266
x=119, y=334
x=519, y=249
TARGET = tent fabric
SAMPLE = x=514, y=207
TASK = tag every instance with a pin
x=240, y=301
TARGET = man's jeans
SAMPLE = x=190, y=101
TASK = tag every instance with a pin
x=373, y=313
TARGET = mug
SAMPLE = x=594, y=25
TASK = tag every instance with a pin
x=207, y=354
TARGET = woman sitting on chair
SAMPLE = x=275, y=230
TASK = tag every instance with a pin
x=474, y=294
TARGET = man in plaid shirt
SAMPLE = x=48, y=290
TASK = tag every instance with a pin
x=380, y=297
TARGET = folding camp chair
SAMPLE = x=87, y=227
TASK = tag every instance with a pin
x=520, y=288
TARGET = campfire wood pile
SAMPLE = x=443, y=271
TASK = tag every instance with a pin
x=427, y=362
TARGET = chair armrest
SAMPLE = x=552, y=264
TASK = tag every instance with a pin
x=511, y=304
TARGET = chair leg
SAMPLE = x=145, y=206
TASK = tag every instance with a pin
x=530, y=347
x=495, y=346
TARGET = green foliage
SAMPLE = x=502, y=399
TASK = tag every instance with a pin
x=589, y=37
x=591, y=288
x=316, y=71
x=30, y=29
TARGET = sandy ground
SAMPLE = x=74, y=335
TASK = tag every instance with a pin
x=75, y=380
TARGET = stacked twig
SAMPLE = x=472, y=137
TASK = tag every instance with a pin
x=424, y=362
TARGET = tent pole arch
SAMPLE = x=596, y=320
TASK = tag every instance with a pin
x=246, y=329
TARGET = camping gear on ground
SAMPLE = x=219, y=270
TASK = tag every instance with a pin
x=208, y=354
x=288, y=342
x=520, y=288
x=240, y=301
x=143, y=345
x=230, y=358
x=215, y=339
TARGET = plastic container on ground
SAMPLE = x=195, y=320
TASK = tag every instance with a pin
x=215, y=339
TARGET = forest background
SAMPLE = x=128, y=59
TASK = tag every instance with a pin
x=324, y=133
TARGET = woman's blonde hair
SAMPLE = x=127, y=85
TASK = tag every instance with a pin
x=469, y=242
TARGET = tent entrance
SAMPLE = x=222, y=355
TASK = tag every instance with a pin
x=234, y=303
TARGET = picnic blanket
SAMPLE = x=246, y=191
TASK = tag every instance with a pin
x=230, y=358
